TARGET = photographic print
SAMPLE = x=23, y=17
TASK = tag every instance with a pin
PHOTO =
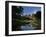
x=24, y=18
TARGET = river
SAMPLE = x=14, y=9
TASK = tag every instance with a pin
x=27, y=27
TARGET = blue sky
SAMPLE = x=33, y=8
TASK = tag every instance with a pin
x=30, y=10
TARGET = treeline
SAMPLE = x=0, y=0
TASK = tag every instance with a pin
x=16, y=15
x=36, y=20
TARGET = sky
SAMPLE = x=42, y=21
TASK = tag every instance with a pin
x=30, y=10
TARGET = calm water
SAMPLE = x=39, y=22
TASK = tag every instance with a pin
x=27, y=27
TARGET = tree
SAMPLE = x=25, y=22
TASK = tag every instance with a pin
x=16, y=14
x=38, y=15
x=16, y=11
x=36, y=20
x=29, y=15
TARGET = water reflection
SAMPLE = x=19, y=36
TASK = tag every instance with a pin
x=27, y=27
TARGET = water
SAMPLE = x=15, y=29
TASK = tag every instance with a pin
x=27, y=27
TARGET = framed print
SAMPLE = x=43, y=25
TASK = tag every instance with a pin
x=24, y=18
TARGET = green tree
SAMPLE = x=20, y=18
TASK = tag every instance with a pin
x=16, y=15
x=36, y=20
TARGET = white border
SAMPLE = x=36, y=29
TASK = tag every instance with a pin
x=30, y=31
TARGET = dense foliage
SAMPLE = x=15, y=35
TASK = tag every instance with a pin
x=36, y=20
